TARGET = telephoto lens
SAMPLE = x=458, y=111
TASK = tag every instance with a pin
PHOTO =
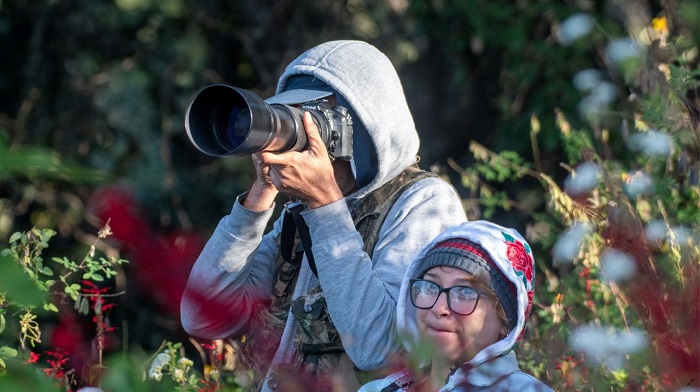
x=222, y=120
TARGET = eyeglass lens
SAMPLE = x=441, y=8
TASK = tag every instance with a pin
x=460, y=299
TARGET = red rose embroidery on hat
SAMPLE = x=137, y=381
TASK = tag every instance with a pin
x=519, y=258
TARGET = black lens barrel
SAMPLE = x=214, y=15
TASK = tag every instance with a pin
x=223, y=120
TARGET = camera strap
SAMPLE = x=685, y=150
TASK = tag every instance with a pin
x=292, y=220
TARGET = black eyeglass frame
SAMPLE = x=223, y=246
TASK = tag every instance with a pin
x=446, y=290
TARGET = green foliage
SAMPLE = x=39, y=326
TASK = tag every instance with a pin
x=642, y=201
x=40, y=162
x=27, y=282
x=20, y=377
x=95, y=92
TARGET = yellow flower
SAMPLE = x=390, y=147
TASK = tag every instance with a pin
x=660, y=24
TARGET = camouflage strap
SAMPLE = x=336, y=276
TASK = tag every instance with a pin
x=269, y=318
x=371, y=213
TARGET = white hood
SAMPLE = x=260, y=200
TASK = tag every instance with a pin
x=512, y=255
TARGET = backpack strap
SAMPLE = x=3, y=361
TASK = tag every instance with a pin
x=373, y=210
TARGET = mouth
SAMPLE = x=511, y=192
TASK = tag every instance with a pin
x=440, y=329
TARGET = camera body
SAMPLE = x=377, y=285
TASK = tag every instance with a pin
x=222, y=120
x=335, y=128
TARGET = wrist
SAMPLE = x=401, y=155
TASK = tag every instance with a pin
x=324, y=199
x=260, y=197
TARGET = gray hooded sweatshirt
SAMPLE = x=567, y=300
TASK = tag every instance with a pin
x=235, y=269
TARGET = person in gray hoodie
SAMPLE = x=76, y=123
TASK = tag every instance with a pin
x=240, y=286
x=486, y=273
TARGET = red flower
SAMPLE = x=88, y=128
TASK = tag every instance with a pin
x=519, y=258
x=33, y=357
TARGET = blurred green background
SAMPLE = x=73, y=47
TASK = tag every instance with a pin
x=93, y=96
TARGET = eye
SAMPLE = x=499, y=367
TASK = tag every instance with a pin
x=463, y=293
x=424, y=288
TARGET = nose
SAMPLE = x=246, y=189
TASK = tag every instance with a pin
x=440, y=308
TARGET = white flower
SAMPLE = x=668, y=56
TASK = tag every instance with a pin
x=574, y=27
x=185, y=362
x=680, y=235
x=601, y=96
x=159, y=362
x=621, y=49
x=155, y=374
x=617, y=265
x=631, y=342
x=655, y=231
x=651, y=143
x=603, y=93
x=590, y=109
x=178, y=375
x=638, y=184
x=567, y=247
x=606, y=346
x=587, y=79
x=584, y=178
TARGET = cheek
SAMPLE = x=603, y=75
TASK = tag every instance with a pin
x=421, y=314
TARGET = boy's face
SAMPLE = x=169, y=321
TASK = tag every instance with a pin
x=459, y=338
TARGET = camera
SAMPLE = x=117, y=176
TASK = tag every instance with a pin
x=222, y=120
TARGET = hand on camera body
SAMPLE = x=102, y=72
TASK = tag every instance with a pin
x=307, y=175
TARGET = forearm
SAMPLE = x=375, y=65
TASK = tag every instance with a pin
x=233, y=272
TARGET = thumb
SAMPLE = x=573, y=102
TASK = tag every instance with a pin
x=313, y=135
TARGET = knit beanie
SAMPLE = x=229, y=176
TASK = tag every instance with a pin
x=473, y=259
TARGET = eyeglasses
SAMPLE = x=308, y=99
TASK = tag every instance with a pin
x=460, y=299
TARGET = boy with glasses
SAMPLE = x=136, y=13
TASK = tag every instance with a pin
x=468, y=293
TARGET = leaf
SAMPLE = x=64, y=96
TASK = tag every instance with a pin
x=2, y=322
x=18, y=285
x=98, y=306
x=41, y=162
x=15, y=236
x=508, y=237
x=47, y=271
x=84, y=306
x=97, y=277
x=8, y=352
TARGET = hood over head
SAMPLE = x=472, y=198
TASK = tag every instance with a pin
x=385, y=140
x=478, y=247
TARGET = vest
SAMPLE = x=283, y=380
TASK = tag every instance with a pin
x=320, y=360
